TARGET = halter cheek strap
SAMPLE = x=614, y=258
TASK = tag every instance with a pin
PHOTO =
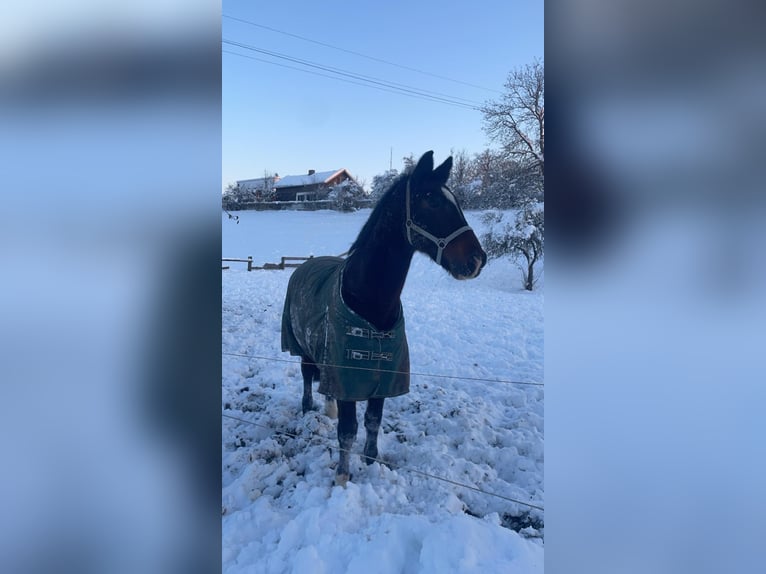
x=441, y=242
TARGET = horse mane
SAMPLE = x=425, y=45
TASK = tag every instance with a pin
x=384, y=209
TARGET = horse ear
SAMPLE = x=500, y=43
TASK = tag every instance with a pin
x=441, y=173
x=425, y=165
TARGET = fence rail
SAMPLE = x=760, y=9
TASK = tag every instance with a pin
x=249, y=261
x=283, y=263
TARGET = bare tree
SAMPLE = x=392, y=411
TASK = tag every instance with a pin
x=267, y=193
x=362, y=183
x=517, y=120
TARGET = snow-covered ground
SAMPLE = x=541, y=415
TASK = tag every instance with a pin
x=281, y=512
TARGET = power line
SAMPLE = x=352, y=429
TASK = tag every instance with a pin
x=367, y=85
x=311, y=72
x=361, y=55
x=388, y=464
x=436, y=96
x=480, y=379
x=356, y=75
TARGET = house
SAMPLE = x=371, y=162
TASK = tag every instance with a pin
x=310, y=187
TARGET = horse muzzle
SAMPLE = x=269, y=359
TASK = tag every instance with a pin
x=464, y=259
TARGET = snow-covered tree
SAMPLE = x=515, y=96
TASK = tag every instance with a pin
x=409, y=162
x=524, y=236
x=500, y=182
x=345, y=194
x=232, y=197
x=228, y=201
x=381, y=183
x=462, y=179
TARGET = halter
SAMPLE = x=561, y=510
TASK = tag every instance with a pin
x=441, y=242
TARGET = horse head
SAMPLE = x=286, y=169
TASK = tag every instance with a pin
x=435, y=224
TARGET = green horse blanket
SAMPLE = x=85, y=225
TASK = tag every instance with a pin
x=317, y=325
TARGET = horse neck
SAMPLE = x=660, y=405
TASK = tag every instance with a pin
x=375, y=272
x=373, y=282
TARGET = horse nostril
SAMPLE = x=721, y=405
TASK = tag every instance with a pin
x=477, y=263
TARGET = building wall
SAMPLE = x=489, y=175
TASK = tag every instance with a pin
x=289, y=193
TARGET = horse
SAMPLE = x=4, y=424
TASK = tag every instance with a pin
x=344, y=317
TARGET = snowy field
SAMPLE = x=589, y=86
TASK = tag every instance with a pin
x=281, y=512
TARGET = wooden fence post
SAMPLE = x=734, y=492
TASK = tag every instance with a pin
x=249, y=262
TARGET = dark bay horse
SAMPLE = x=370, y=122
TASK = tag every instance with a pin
x=344, y=317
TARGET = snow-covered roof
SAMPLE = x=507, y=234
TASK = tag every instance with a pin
x=299, y=180
x=294, y=180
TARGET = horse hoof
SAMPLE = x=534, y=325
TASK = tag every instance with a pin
x=342, y=479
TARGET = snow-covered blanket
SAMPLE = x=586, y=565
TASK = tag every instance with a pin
x=356, y=361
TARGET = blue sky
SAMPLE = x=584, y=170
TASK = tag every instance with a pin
x=289, y=121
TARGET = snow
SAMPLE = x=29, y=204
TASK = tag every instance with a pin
x=281, y=512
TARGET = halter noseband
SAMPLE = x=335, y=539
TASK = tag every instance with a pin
x=441, y=242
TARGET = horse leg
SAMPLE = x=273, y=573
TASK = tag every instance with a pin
x=330, y=407
x=310, y=373
x=347, y=427
x=372, y=417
